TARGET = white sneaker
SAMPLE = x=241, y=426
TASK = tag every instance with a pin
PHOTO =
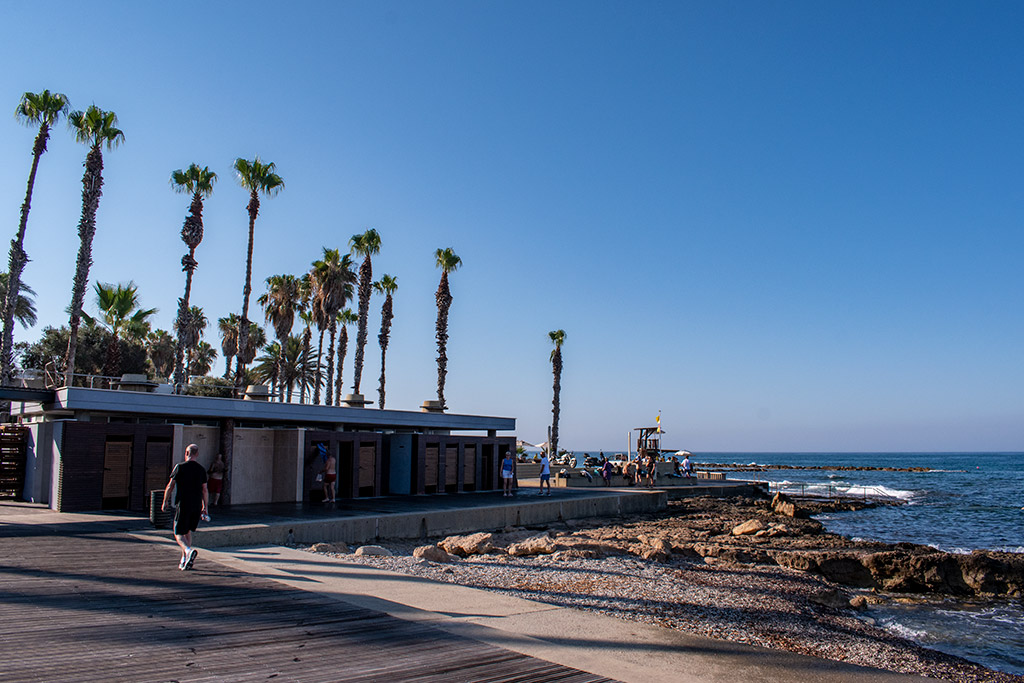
x=191, y=558
x=181, y=562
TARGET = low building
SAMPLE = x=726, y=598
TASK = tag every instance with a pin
x=93, y=449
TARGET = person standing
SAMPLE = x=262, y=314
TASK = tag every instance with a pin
x=606, y=471
x=191, y=496
x=687, y=467
x=507, y=471
x=545, y=473
x=215, y=478
x=652, y=468
x=330, y=478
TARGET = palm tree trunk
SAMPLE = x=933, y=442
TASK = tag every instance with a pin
x=188, y=264
x=227, y=365
x=316, y=383
x=365, y=291
x=342, y=352
x=243, y=324
x=17, y=261
x=386, y=314
x=92, y=189
x=444, y=302
x=330, y=362
x=556, y=368
x=307, y=337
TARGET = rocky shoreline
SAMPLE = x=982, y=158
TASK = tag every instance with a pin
x=752, y=571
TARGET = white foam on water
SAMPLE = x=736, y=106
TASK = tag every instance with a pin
x=877, y=492
x=902, y=630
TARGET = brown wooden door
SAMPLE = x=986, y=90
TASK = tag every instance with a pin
x=430, y=469
x=451, y=467
x=367, y=459
x=158, y=464
x=117, y=467
x=469, y=468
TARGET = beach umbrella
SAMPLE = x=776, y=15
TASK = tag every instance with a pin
x=682, y=453
x=524, y=444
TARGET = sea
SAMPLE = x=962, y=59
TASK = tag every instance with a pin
x=967, y=501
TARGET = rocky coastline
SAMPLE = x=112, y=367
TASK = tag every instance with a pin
x=753, y=571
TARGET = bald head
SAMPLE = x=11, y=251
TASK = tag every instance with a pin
x=191, y=451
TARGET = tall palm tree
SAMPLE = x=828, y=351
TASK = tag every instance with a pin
x=120, y=314
x=97, y=128
x=200, y=359
x=228, y=328
x=190, y=328
x=386, y=286
x=161, y=347
x=35, y=109
x=344, y=318
x=280, y=302
x=365, y=245
x=24, y=310
x=259, y=178
x=557, y=338
x=199, y=183
x=254, y=341
x=308, y=377
x=448, y=262
x=268, y=366
x=332, y=281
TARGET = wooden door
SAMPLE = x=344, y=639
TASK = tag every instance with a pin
x=367, y=470
x=451, y=467
x=469, y=468
x=158, y=465
x=430, y=469
x=117, y=465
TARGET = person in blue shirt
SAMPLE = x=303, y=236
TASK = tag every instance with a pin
x=508, y=466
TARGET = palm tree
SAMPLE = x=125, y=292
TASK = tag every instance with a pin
x=161, y=347
x=345, y=318
x=331, y=280
x=258, y=178
x=268, y=366
x=279, y=304
x=199, y=183
x=200, y=359
x=557, y=338
x=386, y=286
x=254, y=341
x=97, y=128
x=43, y=109
x=448, y=262
x=24, y=310
x=228, y=328
x=121, y=315
x=364, y=245
x=190, y=328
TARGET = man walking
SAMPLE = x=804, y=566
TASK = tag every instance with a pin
x=545, y=473
x=188, y=480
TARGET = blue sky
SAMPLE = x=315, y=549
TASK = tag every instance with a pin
x=784, y=225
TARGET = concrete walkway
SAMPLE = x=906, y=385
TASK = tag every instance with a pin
x=582, y=640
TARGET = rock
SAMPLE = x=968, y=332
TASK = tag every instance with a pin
x=655, y=555
x=373, y=551
x=831, y=598
x=464, y=546
x=859, y=602
x=336, y=548
x=782, y=505
x=538, y=545
x=577, y=554
x=432, y=553
x=751, y=526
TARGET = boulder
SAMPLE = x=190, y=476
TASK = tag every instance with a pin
x=751, y=526
x=336, y=548
x=655, y=555
x=831, y=598
x=537, y=545
x=859, y=602
x=373, y=551
x=782, y=505
x=464, y=546
x=577, y=554
x=431, y=553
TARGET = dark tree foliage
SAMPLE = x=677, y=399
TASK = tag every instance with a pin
x=91, y=354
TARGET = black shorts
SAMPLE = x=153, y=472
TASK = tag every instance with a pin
x=186, y=518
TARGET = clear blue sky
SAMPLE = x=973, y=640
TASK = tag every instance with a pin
x=784, y=225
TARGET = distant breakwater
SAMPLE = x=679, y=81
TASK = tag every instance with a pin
x=737, y=467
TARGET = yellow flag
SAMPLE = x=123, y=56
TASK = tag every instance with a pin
x=658, y=420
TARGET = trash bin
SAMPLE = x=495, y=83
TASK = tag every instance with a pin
x=160, y=519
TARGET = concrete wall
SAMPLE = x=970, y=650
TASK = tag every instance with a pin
x=252, y=466
x=38, y=462
x=207, y=438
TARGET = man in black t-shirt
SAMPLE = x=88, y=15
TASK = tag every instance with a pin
x=188, y=481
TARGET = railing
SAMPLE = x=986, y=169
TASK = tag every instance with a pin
x=831, y=491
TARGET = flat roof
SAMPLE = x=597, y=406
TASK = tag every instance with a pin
x=80, y=399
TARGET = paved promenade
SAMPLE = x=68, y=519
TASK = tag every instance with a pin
x=88, y=598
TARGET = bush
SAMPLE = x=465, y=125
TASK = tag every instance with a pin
x=214, y=387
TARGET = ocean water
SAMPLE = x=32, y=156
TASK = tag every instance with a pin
x=969, y=501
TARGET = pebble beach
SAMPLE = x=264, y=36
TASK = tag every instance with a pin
x=620, y=568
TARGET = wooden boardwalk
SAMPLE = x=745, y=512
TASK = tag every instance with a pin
x=88, y=602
